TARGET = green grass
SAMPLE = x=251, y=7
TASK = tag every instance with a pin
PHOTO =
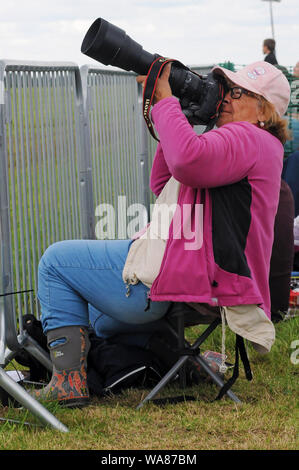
x=266, y=419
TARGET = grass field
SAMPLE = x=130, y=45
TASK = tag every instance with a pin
x=267, y=419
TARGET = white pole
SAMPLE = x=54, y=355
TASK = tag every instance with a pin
x=271, y=16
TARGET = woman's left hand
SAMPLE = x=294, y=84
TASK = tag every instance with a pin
x=163, y=89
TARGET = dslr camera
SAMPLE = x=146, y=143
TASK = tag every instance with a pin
x=200, y=96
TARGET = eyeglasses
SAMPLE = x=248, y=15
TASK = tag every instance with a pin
x=236, y=92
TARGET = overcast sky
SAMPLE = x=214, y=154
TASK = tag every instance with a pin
x=195, y=32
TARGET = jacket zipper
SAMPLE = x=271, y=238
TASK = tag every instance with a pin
x=167, y=244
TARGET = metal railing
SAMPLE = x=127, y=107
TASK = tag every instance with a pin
x=41, y=153
x=42, y=190
x=65, y=151
x=114, y=126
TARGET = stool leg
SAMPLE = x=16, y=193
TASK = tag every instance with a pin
x=164, y=381
x=181, y=345
x=215, y=377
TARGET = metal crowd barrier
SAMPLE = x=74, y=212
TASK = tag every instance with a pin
x=117, y=142
x=43, y=181
x=71, y=142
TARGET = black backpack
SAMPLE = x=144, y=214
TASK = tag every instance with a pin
x=113, y=366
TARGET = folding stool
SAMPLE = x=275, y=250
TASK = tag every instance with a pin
x=186, y=316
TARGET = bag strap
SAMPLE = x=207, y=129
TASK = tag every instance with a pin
x=149, y=90
x=240, y=348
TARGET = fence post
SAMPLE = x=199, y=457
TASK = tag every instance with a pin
x=85, y=171
x=8, y=321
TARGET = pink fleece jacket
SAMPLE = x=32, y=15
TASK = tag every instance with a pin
x=237, y=161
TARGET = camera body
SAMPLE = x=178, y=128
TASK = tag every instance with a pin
x=200, y=96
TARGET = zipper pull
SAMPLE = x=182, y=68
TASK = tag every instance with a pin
x=128, y=289
x=148, y=301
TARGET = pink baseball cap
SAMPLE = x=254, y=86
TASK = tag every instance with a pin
x=263, y=79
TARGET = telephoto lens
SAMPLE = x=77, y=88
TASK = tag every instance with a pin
x=110, y=45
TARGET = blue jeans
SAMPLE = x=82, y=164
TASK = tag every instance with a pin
x=80, y=283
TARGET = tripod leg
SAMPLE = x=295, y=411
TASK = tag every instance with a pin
x=14, y=389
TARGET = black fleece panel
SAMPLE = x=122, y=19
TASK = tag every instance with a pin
x=231, y=218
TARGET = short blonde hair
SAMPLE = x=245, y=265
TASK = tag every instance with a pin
x=273, y=123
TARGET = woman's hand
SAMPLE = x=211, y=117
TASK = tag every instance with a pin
x=163, y=89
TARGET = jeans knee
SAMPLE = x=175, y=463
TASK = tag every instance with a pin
x=52, y=255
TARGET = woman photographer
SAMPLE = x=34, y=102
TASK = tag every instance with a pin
x=225, y=184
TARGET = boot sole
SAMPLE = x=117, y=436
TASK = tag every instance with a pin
x=78, y=402
x=75, y=402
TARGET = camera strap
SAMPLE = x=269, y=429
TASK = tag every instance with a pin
x=150, y=88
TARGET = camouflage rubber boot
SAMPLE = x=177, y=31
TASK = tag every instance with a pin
x=68, y=347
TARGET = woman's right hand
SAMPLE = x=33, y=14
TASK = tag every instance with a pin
x=163, y=89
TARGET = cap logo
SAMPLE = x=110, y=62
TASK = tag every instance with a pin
x=256, y=72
